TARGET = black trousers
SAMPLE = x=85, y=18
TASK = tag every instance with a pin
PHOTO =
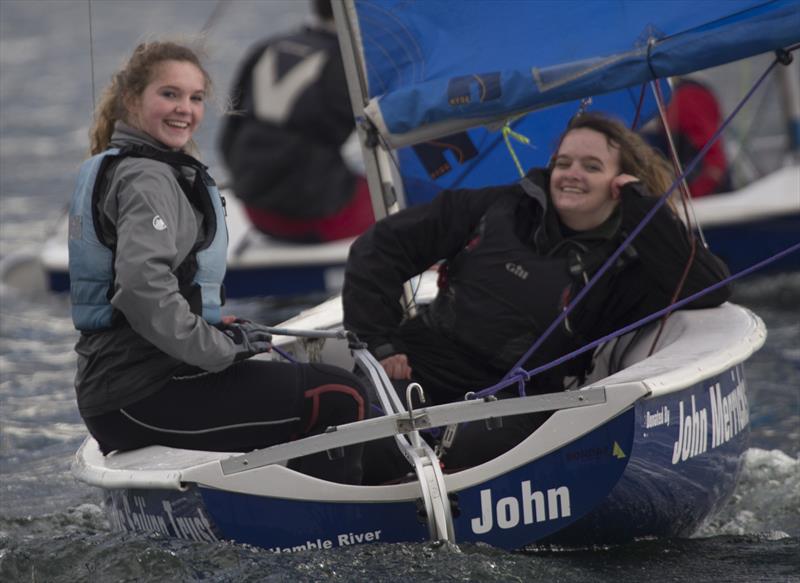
x=249, y=405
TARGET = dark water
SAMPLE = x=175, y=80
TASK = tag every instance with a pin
x=52, y=527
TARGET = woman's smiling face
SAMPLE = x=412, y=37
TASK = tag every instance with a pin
x=172, y=105
x=580, y=182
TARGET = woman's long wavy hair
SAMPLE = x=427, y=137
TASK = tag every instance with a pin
x=130, y=82
x=636, y=156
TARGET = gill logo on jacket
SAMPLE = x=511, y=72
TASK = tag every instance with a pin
x=158, y=223
x=516, y=269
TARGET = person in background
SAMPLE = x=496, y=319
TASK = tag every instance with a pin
x=157, y=361
x=290, y=143
x=513, y=258
x=693, y=115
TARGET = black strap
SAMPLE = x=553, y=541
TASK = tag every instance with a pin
x=173, y=158
x=196, y=192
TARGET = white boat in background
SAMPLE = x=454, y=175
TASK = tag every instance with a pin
x=258, y=265
x=651, y=445
x=742, y=227
x=755, y=222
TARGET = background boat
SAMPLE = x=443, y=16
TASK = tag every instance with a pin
x=758, y=219
x=258, y=265
x=742, y=227
x=756, y=222
x=761, y=216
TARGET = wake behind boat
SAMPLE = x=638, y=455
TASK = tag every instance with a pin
x=651, y=445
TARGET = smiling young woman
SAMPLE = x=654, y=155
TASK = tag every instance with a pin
x=158, y=363
x=172, y=105
x=585, y=168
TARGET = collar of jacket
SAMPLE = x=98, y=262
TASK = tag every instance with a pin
x=125, y=134
x=550, y=234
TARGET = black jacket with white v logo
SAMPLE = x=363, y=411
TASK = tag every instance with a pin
x=511, y=268
x=291, y=115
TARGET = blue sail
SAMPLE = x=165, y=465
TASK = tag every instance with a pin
x=437, y=67
x=479, y=156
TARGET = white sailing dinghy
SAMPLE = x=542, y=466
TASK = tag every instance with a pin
x=649, y=447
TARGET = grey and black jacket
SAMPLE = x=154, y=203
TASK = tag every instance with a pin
x=143, y=321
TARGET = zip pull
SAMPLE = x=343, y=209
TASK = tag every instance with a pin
x=577, y=267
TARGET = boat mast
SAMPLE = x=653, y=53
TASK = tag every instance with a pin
x=789, y=80
x=384, y=183
x=383, y=178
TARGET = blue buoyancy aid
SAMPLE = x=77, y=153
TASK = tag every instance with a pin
x=91, y=259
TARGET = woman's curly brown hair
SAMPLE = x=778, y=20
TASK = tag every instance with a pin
x=130, y=82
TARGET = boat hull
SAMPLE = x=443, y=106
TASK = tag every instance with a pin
x=509, y=510
x=685, y=463
x=659, y=469
x=649, y=448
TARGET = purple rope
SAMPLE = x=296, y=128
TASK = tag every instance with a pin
x=600, y=272
x=285, y=354
x=655, y=315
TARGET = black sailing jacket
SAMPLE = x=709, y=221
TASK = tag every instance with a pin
x=452, y=349
x=287, y=160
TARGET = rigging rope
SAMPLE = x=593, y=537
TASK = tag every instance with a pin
x=214, y=17
x=91, y=53
x=686, y=204
x=630, y=327
x=509, y=133
x=639, y=106
x=676, y=163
